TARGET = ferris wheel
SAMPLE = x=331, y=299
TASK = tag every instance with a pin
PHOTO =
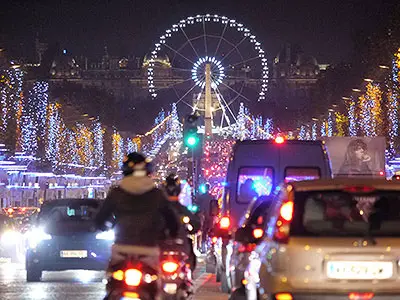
x=208, y=57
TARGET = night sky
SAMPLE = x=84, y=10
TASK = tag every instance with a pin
x=323, y=28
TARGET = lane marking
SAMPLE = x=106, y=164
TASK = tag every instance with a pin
x=202, y=280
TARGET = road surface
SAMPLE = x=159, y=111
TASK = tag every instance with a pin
x=85, y=285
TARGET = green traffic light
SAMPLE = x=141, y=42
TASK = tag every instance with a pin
x=192, y=141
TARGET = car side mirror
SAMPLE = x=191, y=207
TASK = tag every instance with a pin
x=214, y=209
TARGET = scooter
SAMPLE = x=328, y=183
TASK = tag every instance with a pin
x=133, y=279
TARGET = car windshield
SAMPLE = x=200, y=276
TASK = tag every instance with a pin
x=341, y=213
x=68, y=215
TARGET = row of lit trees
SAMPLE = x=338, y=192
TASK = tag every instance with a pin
x=371, y=110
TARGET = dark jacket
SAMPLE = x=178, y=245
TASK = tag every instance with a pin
x=143, y=214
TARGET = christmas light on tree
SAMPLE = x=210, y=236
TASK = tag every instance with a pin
x=53, y=130
x=314, y=130
x=175, y=127
x=302, y=132
x=393, y=105
x=341, y=122
x=330, y=123
x=269, y=128
x=98, y=147
x=352, y=117
x=117, y=150
x=370, y=110
x=324, y=127
x=241, y=131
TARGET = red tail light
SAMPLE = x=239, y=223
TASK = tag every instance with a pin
x=170, y=266
x=283, y=223
x=225, y=223
x=258, y=233
x=283, y=296
x=133, y=277
x=247, y=248
x=214, y=240
x=361, y=296
x=359, y=189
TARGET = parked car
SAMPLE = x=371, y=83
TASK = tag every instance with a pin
x=256, y=168
x=330, y=239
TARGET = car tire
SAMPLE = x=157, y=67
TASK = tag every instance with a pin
x=238, y=294
x=217, y=274
x=224, y=283
x=33, y=274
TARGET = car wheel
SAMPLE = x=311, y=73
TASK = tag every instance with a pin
x=33, y=275
x=224, y=283
x=218, y=274
x=238, y=294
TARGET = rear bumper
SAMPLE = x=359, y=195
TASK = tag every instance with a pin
x=306, y=296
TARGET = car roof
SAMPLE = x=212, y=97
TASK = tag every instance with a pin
x=340, y=183
x=60, y=202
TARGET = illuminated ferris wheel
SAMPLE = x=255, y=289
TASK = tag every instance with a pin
x=210, y=63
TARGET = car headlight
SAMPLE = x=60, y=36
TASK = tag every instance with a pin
x=36, y=236
x=106, y=235
x=10, y=237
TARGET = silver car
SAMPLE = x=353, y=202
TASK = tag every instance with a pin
x=330, y=239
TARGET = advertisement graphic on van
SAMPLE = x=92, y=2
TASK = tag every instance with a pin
x=356, y=156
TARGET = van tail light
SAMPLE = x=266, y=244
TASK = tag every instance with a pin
x=283, y=296
x=225, y=223
x=361, y=296
x=258, y=233
x=133, y=277
x=169, y=266
x=243, y=248
x=283, y=223
x=279, y=140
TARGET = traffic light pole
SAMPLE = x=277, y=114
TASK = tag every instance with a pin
x=208, y=104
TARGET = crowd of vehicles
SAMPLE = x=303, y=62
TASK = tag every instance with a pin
x=295, y=232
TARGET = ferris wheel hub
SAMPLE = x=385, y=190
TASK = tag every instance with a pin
x=199, y=71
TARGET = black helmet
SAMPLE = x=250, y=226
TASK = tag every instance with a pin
x=172, y=185
x=135, y=163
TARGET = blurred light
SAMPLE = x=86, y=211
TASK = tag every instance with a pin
x=279, y=140
x=106, y=235
x=133, y=277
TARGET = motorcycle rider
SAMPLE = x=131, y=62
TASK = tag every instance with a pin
x=142, y=213
x=172, y=186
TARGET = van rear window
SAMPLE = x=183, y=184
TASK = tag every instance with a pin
x=299, y=174
x=339, y=213
x=253, y=182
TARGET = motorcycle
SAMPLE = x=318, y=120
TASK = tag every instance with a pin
x=133, y=279
x=176, y=276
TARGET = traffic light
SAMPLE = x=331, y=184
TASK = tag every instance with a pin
x=190, y=136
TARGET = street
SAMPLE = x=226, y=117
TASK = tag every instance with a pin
x=79, y=285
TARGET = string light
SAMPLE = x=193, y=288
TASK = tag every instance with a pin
x=393, y=103
x=98, y=139
x=330, y=123
x=341, y=122
x=370, y=110
x=352, y=117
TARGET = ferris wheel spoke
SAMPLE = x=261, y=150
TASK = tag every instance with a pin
x=190, y=42
x=180, y=54
x=226, y=104
x=236, y=92
x=181, y=98
x=235, y=47
x=220, y=39
x=246, y=60
x=205, y=37
x=174, y=84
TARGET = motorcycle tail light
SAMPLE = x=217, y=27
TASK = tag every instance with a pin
x=118, y=275
x=133, y=277
x=169, y=266
x=214, y=240
x=225, y=223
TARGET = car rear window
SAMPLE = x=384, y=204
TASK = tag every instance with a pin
x=341, y=213
x=299, y=174
x=254, y=182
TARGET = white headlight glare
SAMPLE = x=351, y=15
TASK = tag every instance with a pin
x=106, y=235
x=36, y=236
x=10, y=237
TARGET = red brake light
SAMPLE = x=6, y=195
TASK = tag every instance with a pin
x=133, y=277
x=361, y=296
x=286, y=211
x=381, y=173
x=170, y=266
x=279, y=140
x=225, y=223
x=258, y=233
x=283, y=223
x=283, y=296
x=246, y=248
x=359, y=189
x=214, y=240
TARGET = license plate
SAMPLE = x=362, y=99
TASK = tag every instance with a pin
x=73, y=253
x=363, y=270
